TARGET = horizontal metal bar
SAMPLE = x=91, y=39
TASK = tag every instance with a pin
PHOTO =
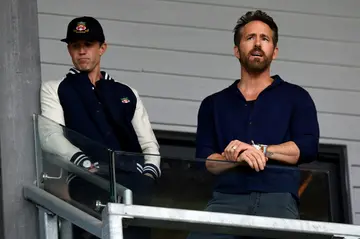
x=344, y=237
x=63, y=209
x=90, y=177
x=308, y=167
x=229, y=223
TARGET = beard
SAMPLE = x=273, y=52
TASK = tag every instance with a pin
x=256, y=65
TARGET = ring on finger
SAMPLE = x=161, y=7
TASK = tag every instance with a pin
x=234, y=147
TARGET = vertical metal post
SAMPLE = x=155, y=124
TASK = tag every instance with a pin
x=112, y=173
x=38, y=154
x=65, y=229
x=112, y=226
x=48, y=225
x=128, y=197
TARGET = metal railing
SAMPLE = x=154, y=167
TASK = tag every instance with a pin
x=51, y=206
x=115, y=216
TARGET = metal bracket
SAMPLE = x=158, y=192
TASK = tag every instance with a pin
x=50, y=213
x=45, y=176
x=99, y=206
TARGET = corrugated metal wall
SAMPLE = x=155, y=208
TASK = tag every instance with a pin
x=176, y=52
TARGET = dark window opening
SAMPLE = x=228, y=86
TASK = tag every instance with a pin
x=324, y=190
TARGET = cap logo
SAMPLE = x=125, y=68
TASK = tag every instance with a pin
x=81, y=27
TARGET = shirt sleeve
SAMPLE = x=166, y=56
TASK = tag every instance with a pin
x=206, y=134
x=146, y=138
x=50, y=124
x=304, y=128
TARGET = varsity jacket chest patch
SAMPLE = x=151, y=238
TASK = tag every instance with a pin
x=125, y=100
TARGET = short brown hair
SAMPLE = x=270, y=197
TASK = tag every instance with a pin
x=257, y=15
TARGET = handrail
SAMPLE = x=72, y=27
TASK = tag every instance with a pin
x=301, y=167
x=90, y=177
x=236, y=224
x=189, y=220
x=63, y=209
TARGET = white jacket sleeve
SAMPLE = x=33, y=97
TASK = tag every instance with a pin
x=51, y=134
x=146, y=137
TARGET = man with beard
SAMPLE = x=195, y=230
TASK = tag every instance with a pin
x=259, y=120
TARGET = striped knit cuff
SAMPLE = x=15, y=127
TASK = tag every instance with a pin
x=152, y=169
x=83, y=161
x=139, y=168
x=80, y=159
x=69, y=178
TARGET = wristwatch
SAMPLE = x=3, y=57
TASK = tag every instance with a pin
x=261, y=147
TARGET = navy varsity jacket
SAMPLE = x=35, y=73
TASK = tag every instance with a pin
x=109, y=113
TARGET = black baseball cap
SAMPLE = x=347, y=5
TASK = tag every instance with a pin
x=84, y=28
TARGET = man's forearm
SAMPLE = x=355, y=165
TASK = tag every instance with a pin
x=287, y=152
x=53, y=140
x=218, y=164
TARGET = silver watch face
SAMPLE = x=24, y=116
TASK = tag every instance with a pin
x=86, y=164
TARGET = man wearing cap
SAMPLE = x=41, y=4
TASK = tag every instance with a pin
x=88, y=101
